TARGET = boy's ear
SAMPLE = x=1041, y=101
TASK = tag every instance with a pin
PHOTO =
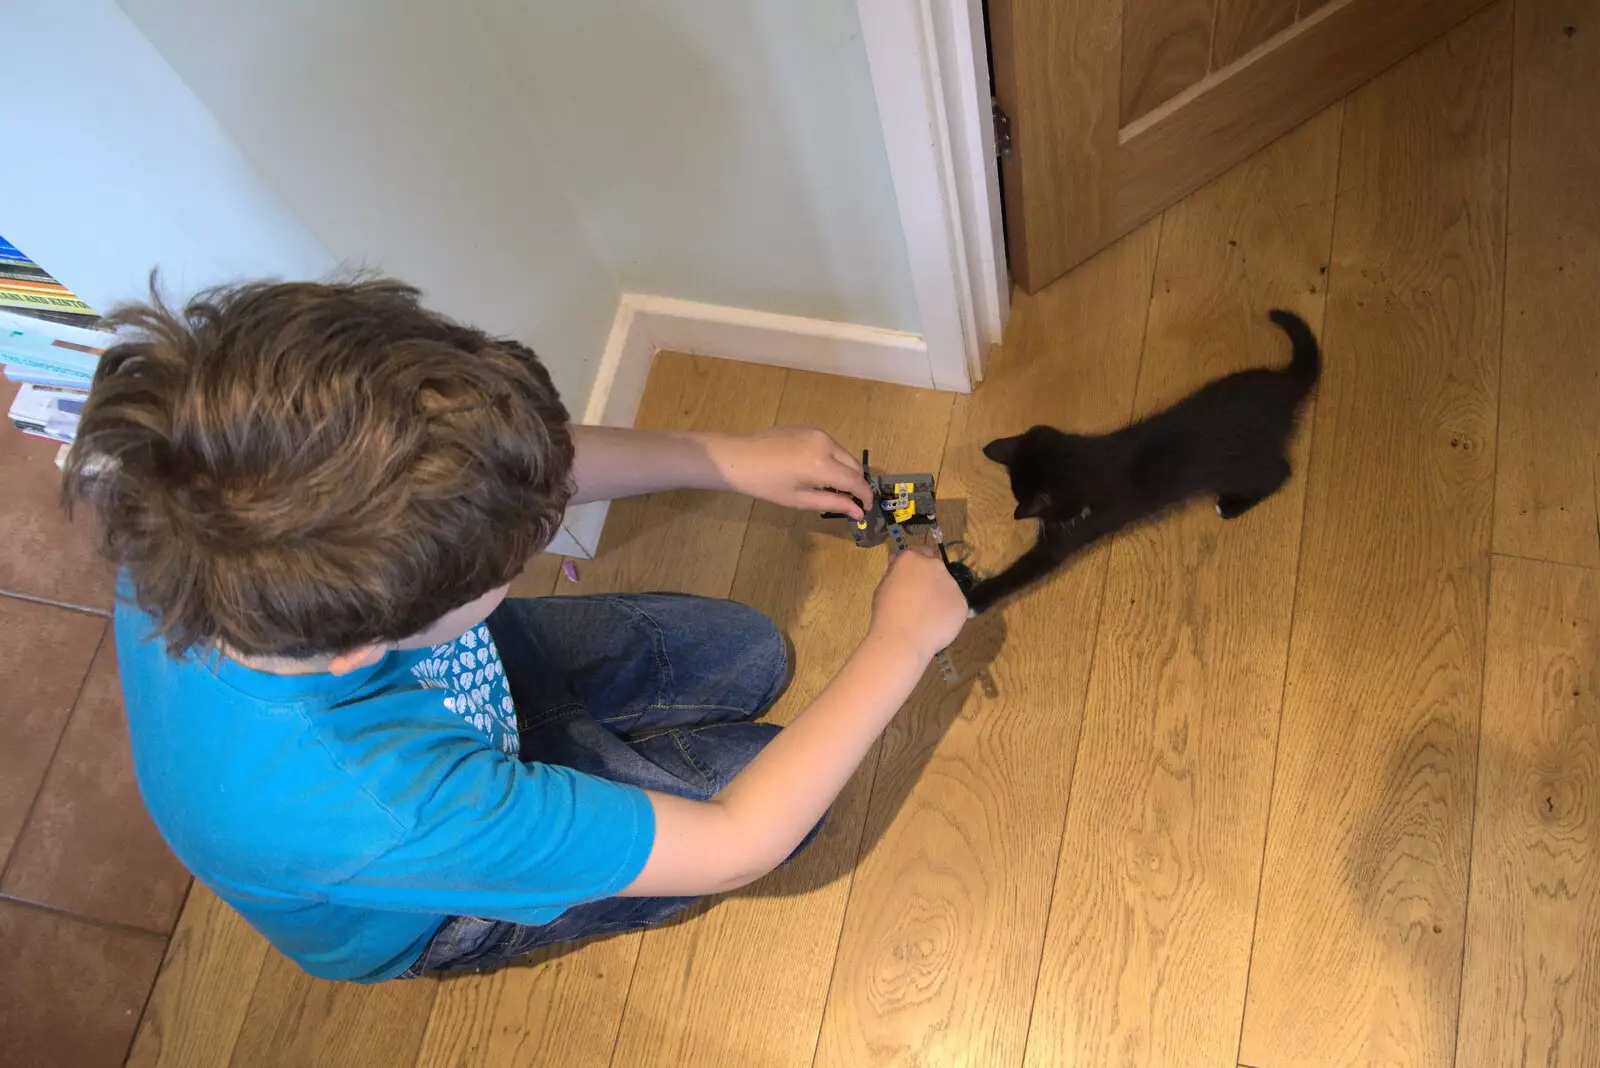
x=355, y=659
x=1002, y=450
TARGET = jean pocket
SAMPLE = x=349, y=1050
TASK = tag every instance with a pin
x=465, y=943
x=722, y=750
x=672, y=752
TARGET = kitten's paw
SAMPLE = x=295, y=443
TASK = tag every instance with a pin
x=1232, y=506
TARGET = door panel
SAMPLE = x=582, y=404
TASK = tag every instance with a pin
x=1120, y=107
x=1166, y=47
x=1243, y=24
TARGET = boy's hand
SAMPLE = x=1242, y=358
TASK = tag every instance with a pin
x=705, y=847
x=919, y=603
x=797, y=467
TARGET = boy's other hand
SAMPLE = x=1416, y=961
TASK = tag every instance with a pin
x=919, y=603
x=795, y=466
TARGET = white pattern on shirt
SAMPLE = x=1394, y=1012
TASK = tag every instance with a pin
x=470, y=668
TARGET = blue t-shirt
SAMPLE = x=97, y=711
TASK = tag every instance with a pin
x=347, y=816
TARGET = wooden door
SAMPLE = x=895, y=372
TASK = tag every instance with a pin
x=1118, y=108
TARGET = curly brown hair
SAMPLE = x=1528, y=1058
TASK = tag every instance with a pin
x=297, y=469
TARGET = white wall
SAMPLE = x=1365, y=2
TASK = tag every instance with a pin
x=524, y=162
x=726, y=151
x=113, y=165
x=388, y=133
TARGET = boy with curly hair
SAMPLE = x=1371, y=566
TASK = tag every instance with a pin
x=316, y=496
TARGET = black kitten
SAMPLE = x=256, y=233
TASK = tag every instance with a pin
x=1227, y=439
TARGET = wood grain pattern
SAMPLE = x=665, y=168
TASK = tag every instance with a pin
x=1358, y=942
x=807, y=574
x=1530, y=989
x=1090, y=160
x=540, y=577
x=947, y=912
x=1238, y=109
x=556, y=1008
x=300, y=1022
x=1155, y=893
x=1057, y=74
x=1550, y=373
x=1244, y=24
x=201, y=995
x=1166, y=47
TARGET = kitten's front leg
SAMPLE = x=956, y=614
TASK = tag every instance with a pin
x=987, y=593
x=1056, y=542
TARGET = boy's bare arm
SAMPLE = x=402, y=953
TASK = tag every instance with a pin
x=704, y=847
x=799, y=467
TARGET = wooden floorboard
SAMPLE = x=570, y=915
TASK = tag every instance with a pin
x=556, y=1008
x=1358, y=945
x=539, y=578
x=201, y=995
x=947, y=911
x=295, y=1021
x=763, y=956
x=1545, y=502
x=1530, y=991
x=1155, y=894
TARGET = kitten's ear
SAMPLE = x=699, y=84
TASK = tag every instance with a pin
x=1002, y=450
x=1033, y=507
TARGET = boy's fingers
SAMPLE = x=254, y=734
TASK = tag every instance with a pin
x=846, y=461
x=849, y=477
x=827, y=500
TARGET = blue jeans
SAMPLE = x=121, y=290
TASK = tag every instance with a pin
x=656, y=690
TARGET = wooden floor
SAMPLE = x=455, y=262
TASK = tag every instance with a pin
x=1318, y=787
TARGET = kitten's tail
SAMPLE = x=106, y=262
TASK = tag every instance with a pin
x=1307, y=362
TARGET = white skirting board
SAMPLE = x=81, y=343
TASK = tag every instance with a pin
x=646, y=325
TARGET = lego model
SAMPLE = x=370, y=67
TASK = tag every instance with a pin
x=899, y=502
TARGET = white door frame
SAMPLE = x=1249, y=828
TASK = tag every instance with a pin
x=930, y=72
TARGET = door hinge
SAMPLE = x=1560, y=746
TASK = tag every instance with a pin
x=1002, y=132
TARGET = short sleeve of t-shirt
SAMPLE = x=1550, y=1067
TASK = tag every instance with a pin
x=482, y=834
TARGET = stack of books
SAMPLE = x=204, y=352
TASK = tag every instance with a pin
x=26, y=287
x=49, y=344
